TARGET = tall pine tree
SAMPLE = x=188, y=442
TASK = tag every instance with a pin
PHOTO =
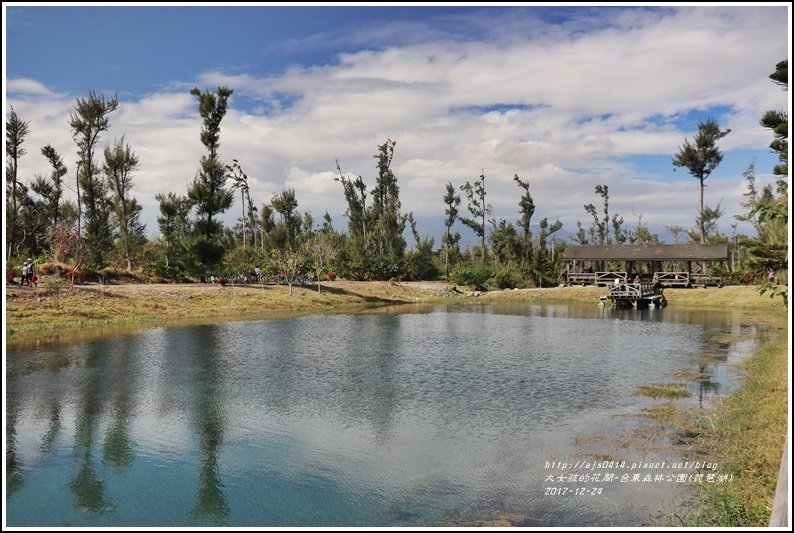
x=88, y=121
x=16, y=131
x=207, y=191
x=120, y=163
x=701, y=157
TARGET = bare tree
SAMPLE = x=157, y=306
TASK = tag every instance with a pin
x=322, y=251
x=289, y=264
x=240, y=178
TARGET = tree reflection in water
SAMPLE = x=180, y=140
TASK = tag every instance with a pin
x=14, y=480
x=197, y=425
x=87, y=487
x=117, y=448
x=53, y=427
x=208, y=419
x=211, y=501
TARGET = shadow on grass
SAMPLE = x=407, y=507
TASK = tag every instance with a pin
x=327, y=289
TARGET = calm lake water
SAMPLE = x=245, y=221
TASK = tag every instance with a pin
x=403, y=417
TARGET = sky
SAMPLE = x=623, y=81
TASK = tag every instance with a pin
x=565, y=97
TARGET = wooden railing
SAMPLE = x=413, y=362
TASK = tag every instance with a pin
x=602, y=279
x=581, y=278
x=671, y=279
x=705, y=280
x=631, y=290
x=608, y=278
x=662, y=279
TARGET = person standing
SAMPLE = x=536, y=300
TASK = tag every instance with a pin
x=25, y=266
x=31, y=271
x=32, y=277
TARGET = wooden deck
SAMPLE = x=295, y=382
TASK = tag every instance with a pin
x=635, y=295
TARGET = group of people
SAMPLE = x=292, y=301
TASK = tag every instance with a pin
x=255, y=276
x=29, y=277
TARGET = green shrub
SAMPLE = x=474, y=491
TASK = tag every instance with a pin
x=53, y=285
x=419, y=262
x=472, y=273
x=159, y=269
x=243, y=259
x=506, y=277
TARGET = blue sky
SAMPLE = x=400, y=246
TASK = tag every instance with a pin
x=565, y=97
x=143, y=49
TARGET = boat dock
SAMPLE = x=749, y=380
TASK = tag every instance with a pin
x=636, y=295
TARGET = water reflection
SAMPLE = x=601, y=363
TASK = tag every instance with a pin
x=377, y=375
x=117, y=449
x=53, y=427
x=373, y=419
x=208, y=421
x=14, y=479
x=87, y=487
x=705, y=382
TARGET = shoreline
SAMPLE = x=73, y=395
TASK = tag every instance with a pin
x=82, y=312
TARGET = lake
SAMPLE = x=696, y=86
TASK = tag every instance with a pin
x=405, y=416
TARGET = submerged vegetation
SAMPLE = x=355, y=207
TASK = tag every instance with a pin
x=747, y=437
x=666, y=390
x=743, y=433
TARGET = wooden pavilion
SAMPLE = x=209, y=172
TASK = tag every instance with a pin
x=663, y=265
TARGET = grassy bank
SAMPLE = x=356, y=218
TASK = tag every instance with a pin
x=747, y=440
x=47, y=311
x=33, y=314
x=732, y=297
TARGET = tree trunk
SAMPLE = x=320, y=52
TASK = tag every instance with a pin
x=446, y=255
x=242, y=196
x=702, y=210
x=482, y=238
x=13, y=227
x=79, y=209
x=125, y=234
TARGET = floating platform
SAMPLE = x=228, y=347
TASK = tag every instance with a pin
x=636, y=295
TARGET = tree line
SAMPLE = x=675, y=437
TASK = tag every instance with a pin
x=102, y=228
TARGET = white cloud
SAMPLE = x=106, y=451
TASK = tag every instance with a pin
x=585, y=96
x=23, y=86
